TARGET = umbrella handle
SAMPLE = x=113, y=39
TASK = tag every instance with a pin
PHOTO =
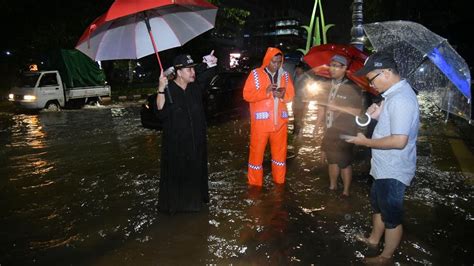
x=363, y=124
x=169, y=94
x=147, y=22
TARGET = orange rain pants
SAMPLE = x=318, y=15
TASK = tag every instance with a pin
x=278, y=146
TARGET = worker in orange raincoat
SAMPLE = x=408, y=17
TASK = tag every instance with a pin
x=268, y=89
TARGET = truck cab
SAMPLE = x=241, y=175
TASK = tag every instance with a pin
x=38, y=90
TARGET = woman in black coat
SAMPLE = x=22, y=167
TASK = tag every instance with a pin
x=184, y=172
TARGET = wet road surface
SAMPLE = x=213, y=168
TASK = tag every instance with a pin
x=81, y=187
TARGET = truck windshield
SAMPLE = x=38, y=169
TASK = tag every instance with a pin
x=28, y=80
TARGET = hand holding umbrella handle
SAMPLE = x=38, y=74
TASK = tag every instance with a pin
x=164, y=83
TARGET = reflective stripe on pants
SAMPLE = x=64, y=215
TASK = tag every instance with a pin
x=278, y=146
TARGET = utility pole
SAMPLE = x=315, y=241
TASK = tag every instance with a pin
x=357, y=31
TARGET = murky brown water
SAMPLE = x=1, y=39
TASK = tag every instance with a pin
x=81, y=186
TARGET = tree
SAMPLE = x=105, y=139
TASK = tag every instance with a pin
x=228, y=18
x=39, y=26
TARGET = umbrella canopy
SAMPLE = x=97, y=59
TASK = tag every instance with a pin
x=122, y=32
x=319, y=57
x=427, y=61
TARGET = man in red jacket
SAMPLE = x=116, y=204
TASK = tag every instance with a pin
x=268, y=89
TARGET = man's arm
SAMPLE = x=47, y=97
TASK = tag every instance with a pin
x=204, y=74
x=253, y=94
x=205, y=71
x=386, y=143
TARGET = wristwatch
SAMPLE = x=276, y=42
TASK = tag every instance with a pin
x=161, y=92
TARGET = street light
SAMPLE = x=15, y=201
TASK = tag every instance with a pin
x=357, y=30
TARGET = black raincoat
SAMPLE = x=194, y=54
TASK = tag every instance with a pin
x=184, y=172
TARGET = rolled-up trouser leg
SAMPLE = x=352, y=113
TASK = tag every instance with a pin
x=258, y=141
x=278, y=144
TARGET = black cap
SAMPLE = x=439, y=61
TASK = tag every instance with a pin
x=378, y=60
x=182, y=61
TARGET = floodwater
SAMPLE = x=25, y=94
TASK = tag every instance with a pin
x=81, y=186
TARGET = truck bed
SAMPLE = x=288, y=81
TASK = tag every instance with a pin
x=85, y=92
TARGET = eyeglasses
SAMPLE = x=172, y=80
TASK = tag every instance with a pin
x=371, y=80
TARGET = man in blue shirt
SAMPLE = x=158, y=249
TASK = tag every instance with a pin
x=393, y=146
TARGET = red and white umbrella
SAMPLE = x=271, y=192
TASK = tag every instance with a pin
x=132, y=29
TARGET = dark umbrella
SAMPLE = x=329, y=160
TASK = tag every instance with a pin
x=427, y=61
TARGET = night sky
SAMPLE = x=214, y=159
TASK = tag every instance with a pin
x=32, y=24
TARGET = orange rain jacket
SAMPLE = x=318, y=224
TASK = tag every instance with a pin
x=264, y=116
x=269, y=117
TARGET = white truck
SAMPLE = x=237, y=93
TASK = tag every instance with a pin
x=77, y=80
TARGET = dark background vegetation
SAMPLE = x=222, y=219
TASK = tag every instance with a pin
x=31, y=27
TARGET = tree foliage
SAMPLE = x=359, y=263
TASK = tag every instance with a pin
x=228, y=18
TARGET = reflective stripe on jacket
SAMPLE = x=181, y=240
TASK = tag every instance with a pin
x=264, y=115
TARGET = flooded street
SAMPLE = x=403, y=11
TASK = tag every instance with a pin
x=81, y=187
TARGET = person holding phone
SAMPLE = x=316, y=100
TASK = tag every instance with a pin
x=393, y=145
x=267, y=90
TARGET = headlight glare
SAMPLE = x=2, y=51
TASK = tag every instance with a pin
x=29, y=97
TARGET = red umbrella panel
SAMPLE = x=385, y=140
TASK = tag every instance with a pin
x=122, y=8
x=132, y=29
x=319, y=57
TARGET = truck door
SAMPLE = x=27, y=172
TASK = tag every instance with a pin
x=49, y=89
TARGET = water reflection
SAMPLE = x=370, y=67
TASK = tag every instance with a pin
x=27, y=130
x=81, y=186
x=64, y=174
x=266, y=226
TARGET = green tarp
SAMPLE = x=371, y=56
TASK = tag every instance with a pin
x=76, y=69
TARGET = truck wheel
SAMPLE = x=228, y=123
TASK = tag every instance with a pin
x=53, y=107
x=94, y=101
